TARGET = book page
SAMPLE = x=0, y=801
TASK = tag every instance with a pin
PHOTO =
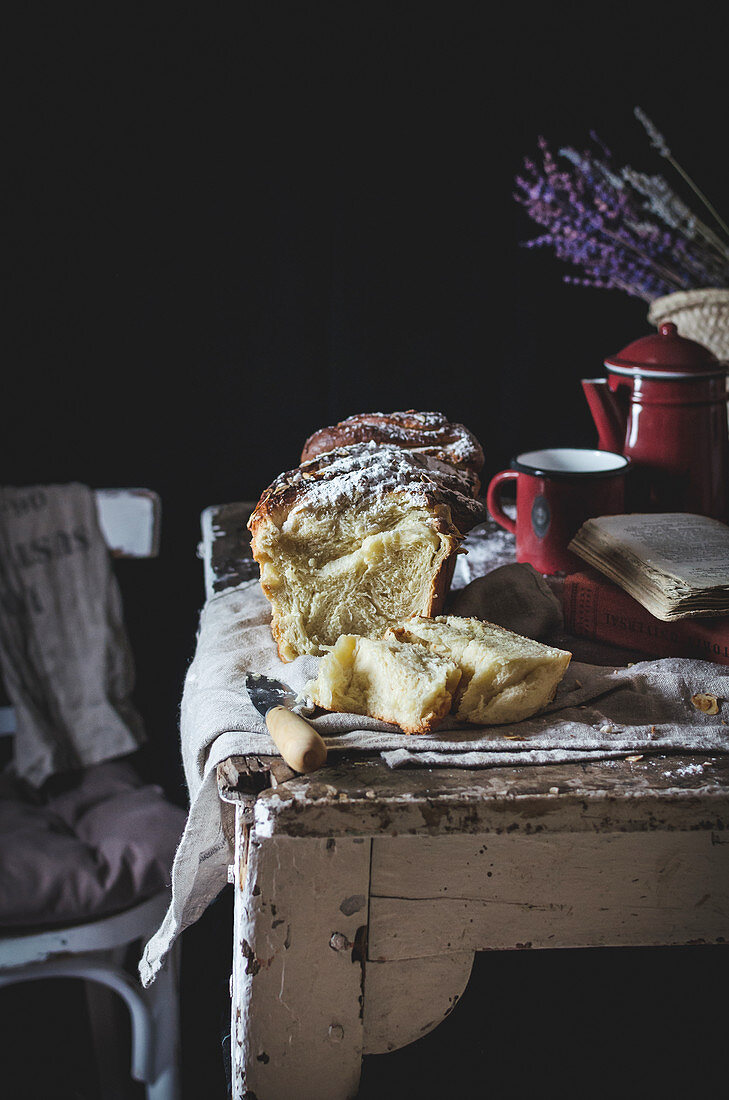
x=693, y=548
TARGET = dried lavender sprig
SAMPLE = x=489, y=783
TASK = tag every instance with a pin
x=667, y=205
x=596, y=221
x=564, y=202
x=626, y=242
x=609, y=260
x=710, y=257
x=659, y=144
x=656, y=137
x=604, y=261
x=643, y=229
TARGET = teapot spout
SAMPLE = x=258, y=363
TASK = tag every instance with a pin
x=608, y=412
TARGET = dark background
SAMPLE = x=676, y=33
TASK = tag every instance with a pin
x=233, y=224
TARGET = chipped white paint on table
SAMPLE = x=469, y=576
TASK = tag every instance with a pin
x=362, y=893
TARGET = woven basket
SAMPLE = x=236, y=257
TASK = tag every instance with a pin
x=701, y=315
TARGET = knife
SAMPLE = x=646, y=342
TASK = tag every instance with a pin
x=298, y=742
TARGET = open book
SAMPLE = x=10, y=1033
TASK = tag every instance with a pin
x=673, y=563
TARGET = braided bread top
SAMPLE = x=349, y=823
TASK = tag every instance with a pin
x=343, y=478
x=429, y=433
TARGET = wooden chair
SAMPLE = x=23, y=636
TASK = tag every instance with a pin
x=96, y=950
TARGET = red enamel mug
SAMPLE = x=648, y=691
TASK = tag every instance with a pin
x=557, y=489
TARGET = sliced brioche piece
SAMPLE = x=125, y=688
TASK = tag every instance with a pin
x=505, y=677
x=387, y=679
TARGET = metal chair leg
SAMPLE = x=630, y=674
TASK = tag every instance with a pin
x=163, y=998
x=154, y=1013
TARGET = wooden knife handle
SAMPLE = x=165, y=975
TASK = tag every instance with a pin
x=299, y=744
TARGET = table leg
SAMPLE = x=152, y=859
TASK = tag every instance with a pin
x=407, y=998
x=300, y=928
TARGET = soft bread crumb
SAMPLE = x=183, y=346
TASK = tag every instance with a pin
x=506, y=677
x=706, y=702
x=386, y=679
x=368, y=568
x=355, y=541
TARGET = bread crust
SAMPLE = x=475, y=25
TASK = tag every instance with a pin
x=429, y=433
x=441, y=583
x=346, y=473
x=428, y=724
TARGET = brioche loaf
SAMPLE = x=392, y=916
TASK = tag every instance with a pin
x=409, y=685
x=506, y=677
x=428, y=433
x=356, y=540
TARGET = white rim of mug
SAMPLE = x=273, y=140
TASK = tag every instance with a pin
x=522, y=464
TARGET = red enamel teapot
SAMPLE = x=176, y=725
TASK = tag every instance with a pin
x=664, y=406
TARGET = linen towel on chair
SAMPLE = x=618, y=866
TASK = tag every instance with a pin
x=66, y=659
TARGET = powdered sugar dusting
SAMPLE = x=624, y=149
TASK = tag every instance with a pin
x=428, y=433
x=344, y=477
x=488, y=546
x=686, y=769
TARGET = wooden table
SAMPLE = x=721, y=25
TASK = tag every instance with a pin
x=362, y=893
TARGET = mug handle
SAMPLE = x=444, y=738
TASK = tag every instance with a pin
x=493, y=499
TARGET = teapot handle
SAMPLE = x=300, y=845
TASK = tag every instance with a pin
x=493, y=499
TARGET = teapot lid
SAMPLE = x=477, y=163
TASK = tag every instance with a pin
x=665, y=353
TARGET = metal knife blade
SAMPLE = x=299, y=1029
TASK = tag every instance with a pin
x=296, y=739
x=266, y=693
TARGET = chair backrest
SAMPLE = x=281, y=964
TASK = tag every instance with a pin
x=130, y=523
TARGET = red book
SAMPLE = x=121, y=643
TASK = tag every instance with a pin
x=596, y=608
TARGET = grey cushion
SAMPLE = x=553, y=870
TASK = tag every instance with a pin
x=100, y=844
